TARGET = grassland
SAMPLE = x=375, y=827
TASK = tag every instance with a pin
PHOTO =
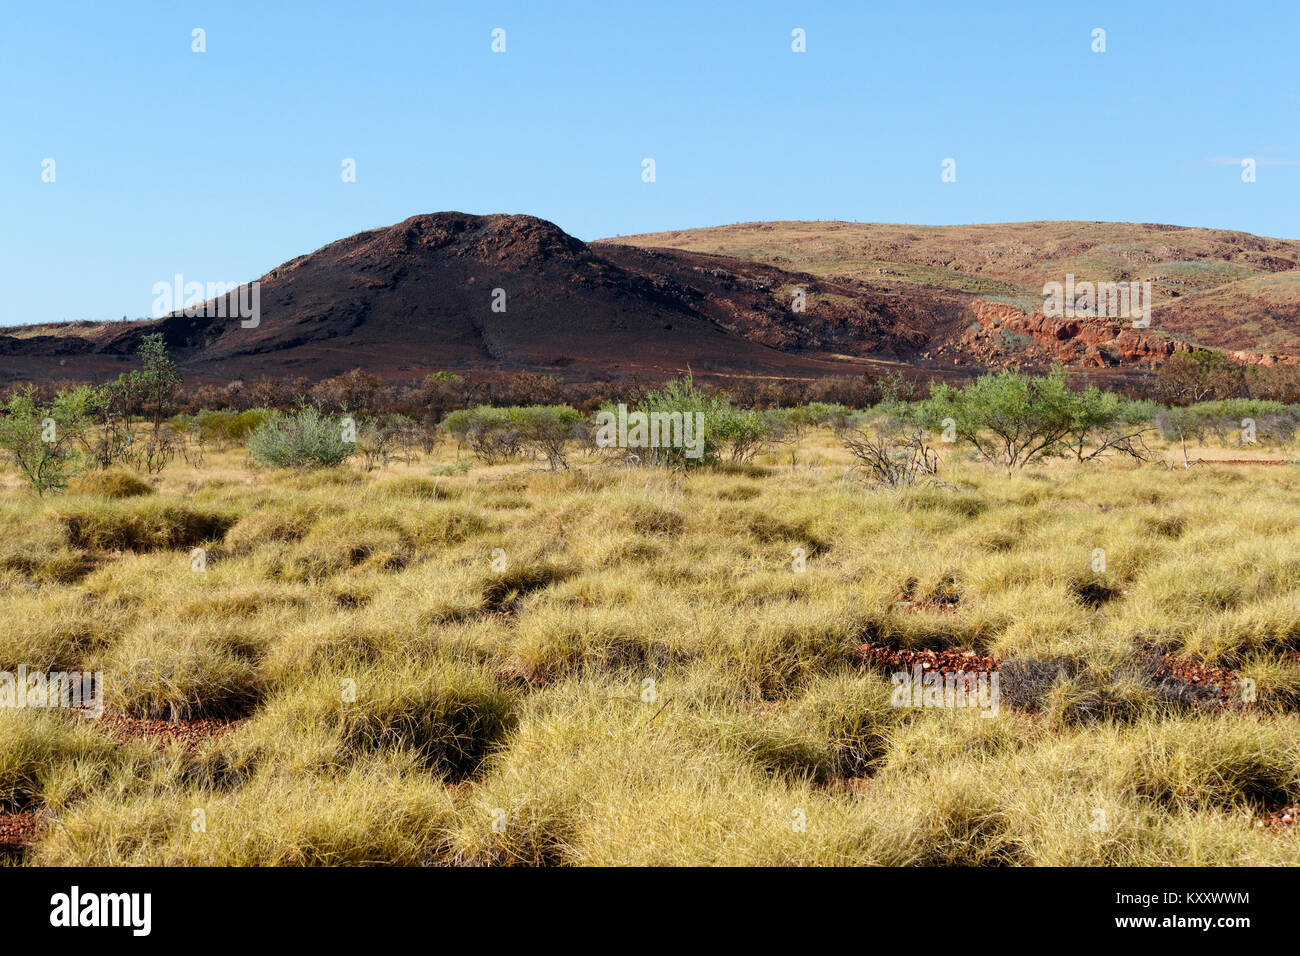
x=612, y=665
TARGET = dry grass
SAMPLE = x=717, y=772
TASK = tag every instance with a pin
x=642, y=677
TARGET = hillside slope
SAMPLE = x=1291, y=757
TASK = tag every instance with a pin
x=1210, y=287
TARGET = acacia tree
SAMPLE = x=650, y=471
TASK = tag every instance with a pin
x=497, y=434
x=1013, y=419
x=1102, y=423
x=107, y=439
x=158, y=380
x=1189, y=377
x=44, y=441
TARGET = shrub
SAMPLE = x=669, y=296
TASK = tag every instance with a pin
x=828, y=414
x=743, y=434
x=1013, y=419
x=307, y=438
x=681, y=401
x=228, y=426
x=893, y=461
x=44, y=441
x=498, y=434
x=1226, y=420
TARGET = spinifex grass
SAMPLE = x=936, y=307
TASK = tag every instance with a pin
x=434, y=664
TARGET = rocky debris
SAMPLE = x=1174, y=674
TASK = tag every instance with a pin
x=1002, y=332
x=1192, y=682
x=1266, y=359
x=1179, y=680
x=1280, y=817
x=189, y=732
x=915, y=607
x=895, y=659
x=18, y=831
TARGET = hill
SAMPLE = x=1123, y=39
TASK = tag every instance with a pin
x=1210, y=287
x=512, y=292
x=419, y=296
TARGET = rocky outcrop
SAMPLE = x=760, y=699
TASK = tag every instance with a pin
x=1002, y=333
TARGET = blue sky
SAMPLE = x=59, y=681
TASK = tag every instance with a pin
x=221, y=165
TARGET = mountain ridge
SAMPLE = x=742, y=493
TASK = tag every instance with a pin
x=506, y=292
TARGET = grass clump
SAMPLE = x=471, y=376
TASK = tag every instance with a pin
x=148, y=525
x=448, y=718
x=184, y=670
x=110, y=483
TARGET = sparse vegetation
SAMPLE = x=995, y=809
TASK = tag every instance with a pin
x=381, y=660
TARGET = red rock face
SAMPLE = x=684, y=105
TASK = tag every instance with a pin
x=1263, y=358
x=1003, y=331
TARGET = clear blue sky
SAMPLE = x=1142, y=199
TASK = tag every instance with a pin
x=222, y=165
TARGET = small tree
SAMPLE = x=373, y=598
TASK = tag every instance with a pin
x=158, y=380
x=490, y=432
x=549, y=429
x=744, y=432
x=44, y=442
x=1009, y=418
x=108, y=438
x=682, y=396
x=497, y=434
x=1189, y=377
x=1102, y=424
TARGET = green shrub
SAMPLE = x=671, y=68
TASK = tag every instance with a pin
x=45, y=442
x=1013, y=419
x=744, y=433
x=307, y=438
x=227, y=425
x=1274, y=422
x=499, y=434
x=682, y=401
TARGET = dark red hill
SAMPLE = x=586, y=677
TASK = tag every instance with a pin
x=417, y=297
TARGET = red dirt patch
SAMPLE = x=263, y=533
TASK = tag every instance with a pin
x=18, y=830
x=886, y=658
x=1205, y=684
x=189, y=732
x=1198, y=674
x=518, y=675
